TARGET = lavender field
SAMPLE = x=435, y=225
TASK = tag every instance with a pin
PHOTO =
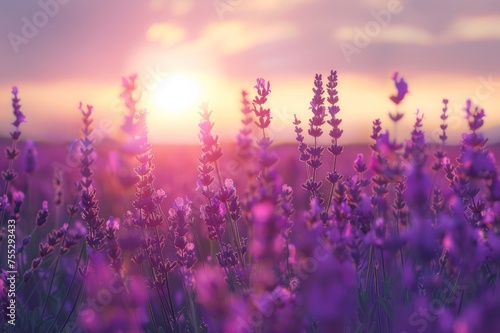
x=121, y=235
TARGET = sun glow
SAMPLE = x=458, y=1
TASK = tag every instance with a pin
x=177, y=93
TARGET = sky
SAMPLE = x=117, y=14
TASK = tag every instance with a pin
x=61, y=52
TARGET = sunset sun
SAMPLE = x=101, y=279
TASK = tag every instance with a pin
x=177, y=93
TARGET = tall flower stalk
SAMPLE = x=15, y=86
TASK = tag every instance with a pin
x=219, y=213
x=335, y=133
x=315, y=152
x=89, y=204
x=11, y=153
x=402, y=90
x=149, y=215
x=267, y=159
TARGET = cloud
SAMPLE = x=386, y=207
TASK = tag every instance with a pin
x=405, y=34
x=271, y=5
x=475, y=28
x=175, y=7
x=231, y=37
x=167, y=33
x=397, y=34
x=463, y=29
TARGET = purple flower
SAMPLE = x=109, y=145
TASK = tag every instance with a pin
x=89, y=204
x=211, y=151
x=263, y=115
x=244, y=140
x=402, y=90
x=20, y=118
x=474, y=116
x=213, y=216
x=317, y=108
x=4, y=202
x=227, y=257
x=180, y=221
x=42, y=215
x=384, y=144
x=359, y=164
x=114, y=249
x=30, y=157
x=263, y=89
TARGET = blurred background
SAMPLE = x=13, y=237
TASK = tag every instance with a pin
x=61, y=52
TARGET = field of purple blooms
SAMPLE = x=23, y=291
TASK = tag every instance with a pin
x=400, y=236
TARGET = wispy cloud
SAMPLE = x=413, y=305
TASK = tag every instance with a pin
x=461, y=29
x=273, y=6
x=231, y=37
x=397, y=34
x=166, y=33
x=473, y=28
x=175, y=7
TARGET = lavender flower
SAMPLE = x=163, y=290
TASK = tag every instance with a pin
x=211, y=151
x=440, y=154
x=42, y=215
x=415, y=147
x=303, y=156
x=18, y=200
x=335, y=133
x=30, y=157
x=317, y=108
x=227, y=257
x=20, y=118
x=148, y=198
x=244, y=140
x=57, y=182
x=4, y=202
x=114, y=249
x=89, y=204
x=180, y=221
x=12, y=153
x=213, y=215
x=311, y=155
x=267, y=159
x=130, y=125
x=402, y=90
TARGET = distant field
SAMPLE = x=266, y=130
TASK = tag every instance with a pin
x=176, y=172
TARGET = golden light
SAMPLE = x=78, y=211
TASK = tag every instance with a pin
x=177, y=93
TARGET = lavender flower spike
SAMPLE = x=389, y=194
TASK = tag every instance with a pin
x=402, y=88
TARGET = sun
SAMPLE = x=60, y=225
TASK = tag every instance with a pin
x=176, y=93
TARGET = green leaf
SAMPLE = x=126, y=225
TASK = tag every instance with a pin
x=360, y=328
x=386, y=306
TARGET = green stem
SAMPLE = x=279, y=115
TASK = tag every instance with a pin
x=57, y=263
x=332, y=186
x=73, y=308
x=50, y=287
x=150, y=308
x=69, y=288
